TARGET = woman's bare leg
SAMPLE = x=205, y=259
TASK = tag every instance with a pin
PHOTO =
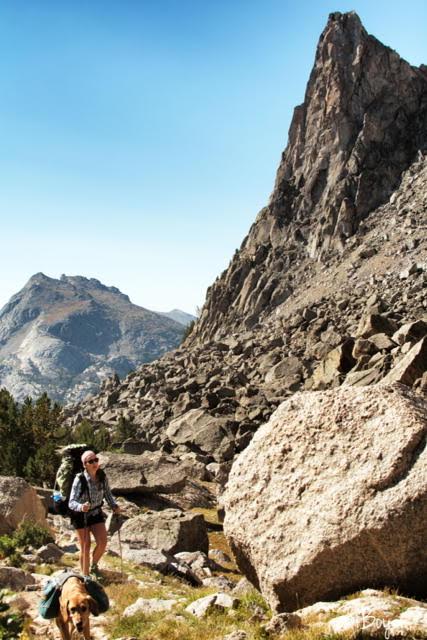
x=83, y=538
x=99, y=532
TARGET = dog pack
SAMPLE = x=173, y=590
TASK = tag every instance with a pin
x=48, y=607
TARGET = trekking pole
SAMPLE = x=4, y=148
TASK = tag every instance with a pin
x=121, y=555
x=86, y=538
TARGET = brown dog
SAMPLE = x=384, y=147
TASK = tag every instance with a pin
x=75, y=606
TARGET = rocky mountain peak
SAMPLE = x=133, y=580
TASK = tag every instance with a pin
x=65, y=335
x=38, y=279
x=362, y=123
x=359, y=127
x=88, y=284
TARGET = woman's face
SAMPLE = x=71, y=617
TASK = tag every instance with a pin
x=92, y=464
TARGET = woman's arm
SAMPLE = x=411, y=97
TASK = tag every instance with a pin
x=75, y=495
x=109, y=496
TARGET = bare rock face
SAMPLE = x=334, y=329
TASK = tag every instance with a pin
x=331, y=496
x=362, y=123
x=150, y=472
x=348, y=142
x=207, y=434
x=18, y=502
x=169, y=531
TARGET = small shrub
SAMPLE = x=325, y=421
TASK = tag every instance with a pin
x=8, y=546
x=32, y=534
x=45, y=569
x=15, y=559
x=28, y=534
x=97, y=438
x=125, y=429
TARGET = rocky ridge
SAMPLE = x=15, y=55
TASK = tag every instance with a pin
x=64, y=336
x=317, y=339
x=362, y=123
x=343, y=238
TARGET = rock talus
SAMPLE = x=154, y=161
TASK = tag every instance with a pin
x=327, y=289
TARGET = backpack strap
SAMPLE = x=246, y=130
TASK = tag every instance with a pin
x=84, y=487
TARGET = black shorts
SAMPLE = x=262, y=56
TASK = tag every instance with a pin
x=79, y=521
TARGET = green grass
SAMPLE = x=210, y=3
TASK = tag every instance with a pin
x=178, y=624
x=181, y=625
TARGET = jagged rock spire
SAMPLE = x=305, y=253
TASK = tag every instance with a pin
x=359, y=127
x=362, y=123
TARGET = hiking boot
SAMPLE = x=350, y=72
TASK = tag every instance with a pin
x=95, y=573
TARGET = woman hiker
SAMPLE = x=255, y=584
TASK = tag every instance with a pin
x=87, y=494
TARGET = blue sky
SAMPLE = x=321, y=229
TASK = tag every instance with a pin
x=139, y=138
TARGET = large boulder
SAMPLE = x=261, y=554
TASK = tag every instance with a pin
x=338, y=362
x=411, y=332
x=15, y=579
x=169, y=531
x=331, y=496
x=375, y=323
x=18, y=502
x=411, y=367
x=211, y=435
x=150, y=472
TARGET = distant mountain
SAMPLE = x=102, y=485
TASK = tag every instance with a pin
x=179, y=316
x=64, y=336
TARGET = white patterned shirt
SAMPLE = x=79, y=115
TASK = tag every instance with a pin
x=97, y=491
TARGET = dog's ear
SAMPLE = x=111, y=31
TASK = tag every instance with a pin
x=93, y=606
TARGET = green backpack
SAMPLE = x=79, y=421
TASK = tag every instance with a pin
x=70, y=466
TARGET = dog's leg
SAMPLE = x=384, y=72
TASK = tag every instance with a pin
x=63, y=628
x=86, y=630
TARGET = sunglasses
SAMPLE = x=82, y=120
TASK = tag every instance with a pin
x=92, y=461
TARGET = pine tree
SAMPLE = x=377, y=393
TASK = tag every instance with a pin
x=10, y=441
x=96, y=438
